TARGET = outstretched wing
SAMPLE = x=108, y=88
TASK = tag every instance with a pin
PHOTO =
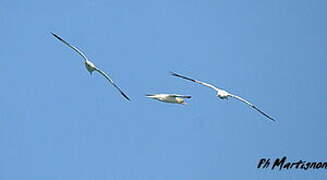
x=181, y=96
x=112, y=82
x=71, y=46
x=196, y=81
x=252, y=105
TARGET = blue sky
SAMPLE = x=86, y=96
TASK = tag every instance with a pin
x=58, y=122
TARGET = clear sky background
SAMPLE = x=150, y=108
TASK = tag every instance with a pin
x=59, y=123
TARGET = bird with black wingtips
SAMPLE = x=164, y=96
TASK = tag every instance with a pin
x=222, y=94
x=90, y=66
x=169, y=98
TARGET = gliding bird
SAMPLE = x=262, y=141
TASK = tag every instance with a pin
x=90, y=66
x=169, y=98
x=222, y=94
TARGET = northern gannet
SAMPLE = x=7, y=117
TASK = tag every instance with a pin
x=90, y=66
x=222, y=94
x=169, y=98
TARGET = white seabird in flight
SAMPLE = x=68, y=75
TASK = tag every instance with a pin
x=169, y=98
x=222, y=94
x=90, y=66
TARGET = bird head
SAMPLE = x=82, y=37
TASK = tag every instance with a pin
x=90, y=66
x=181, y=101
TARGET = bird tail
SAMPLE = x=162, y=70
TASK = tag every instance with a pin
x=148, y=95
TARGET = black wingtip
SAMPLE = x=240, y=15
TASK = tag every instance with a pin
x=263, y=113
x=173, y=73
x=270, y=118
x=181, y=76
x=53, y=34
x=56, y=36
x=125, y=96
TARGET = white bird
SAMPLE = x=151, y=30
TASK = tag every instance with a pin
x=169, y=98
x=222, y=94
x=90, y=66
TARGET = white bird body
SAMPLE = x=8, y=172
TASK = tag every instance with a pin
x=222, y=94
x=169, y=98
x=91, y=66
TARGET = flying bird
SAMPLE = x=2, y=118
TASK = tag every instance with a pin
x=90, y=66
x=222, y=94
x=169, y=98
